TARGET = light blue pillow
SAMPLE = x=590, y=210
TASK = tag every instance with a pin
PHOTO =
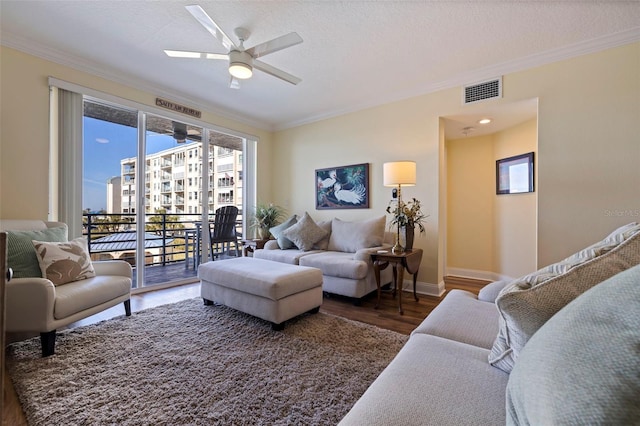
x=283, y=242
x=583, y=365
x=21, y=255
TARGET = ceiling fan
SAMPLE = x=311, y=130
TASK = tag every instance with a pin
x=241, y=61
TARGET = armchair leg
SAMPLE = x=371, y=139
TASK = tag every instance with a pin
x=127, y=307
x=48, y=341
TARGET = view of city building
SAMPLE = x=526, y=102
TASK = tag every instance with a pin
x=174, y=183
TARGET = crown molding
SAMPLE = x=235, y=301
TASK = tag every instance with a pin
x=527, y=62
x=53, y=55
x=577, y=49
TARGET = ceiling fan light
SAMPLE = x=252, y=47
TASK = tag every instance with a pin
x=240, y=70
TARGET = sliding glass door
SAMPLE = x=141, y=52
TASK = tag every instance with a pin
x=149, y=195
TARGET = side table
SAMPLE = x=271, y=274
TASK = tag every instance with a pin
x=409, y=260
x=249, y=246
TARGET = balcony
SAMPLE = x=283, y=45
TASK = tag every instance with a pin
x=171, y=244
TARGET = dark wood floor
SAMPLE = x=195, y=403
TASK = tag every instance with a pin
x=386, y=316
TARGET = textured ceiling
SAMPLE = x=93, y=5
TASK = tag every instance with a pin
x=355, y=54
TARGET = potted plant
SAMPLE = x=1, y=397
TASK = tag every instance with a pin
x=266, y=216
x=408, y=215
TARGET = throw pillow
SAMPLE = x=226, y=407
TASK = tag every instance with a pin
x=582, y=366
x=528, y=302
x=64, y=262
x=21, y=256
x=283, y=242
x=305, y=233
x=323, y=244
x=350, y=237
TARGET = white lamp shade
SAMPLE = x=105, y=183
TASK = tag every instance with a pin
x=399, y=173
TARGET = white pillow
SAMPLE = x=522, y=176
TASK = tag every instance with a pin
x=64, y=262
x=350, y=237
x=528, y=302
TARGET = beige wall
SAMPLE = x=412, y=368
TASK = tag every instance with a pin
x=515, y=238
x=588, y=148
x=471, y=207
x=588, y=152
x=489, y=236
x=24, y=130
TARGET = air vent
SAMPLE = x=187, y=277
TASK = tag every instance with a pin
x=482, y=91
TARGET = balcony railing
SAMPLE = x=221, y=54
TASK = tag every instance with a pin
x=171, y=242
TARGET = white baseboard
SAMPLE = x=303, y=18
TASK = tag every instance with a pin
x=477, y=275
x=428, y=289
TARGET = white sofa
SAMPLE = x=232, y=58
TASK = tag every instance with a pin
x=343, y=254
x=580, y=366
x=36, y=304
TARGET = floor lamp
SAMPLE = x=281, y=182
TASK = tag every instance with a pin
x=399, y=173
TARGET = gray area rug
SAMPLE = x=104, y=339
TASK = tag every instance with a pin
x=190, y=364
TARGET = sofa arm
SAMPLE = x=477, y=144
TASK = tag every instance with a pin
x=271, y=245
x=30, y=303
x=490, y=292
x=365, y=253
x=113, y=267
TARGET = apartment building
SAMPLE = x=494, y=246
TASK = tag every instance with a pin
x=174, y=180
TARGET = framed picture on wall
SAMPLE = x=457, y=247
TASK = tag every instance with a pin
x=344, y=187
x=514, y=175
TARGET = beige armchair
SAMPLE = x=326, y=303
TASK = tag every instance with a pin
x=37, y=305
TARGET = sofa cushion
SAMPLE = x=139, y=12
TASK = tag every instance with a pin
x=528, y=302
x=305, y=233
x=291, y=256
x=490, y=292
x=64, y=262
x=276, y=231
x=337, y=264
x=351, y=236
x=323, y=244
x=463, y=318
x=21, y=255
x=78, y=296
x=433, y=381
x=583, y=365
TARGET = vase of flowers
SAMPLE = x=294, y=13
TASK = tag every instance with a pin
x=408, y=215
x=266, y=216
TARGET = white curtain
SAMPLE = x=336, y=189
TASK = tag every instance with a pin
x=66, y=159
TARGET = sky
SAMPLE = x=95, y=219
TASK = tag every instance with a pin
x=105, y=144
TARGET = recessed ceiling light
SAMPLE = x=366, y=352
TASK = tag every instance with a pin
x=484, y=121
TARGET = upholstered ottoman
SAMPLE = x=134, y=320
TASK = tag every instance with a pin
x=269, y=290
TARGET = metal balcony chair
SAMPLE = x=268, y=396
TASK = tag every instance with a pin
x=223, y=230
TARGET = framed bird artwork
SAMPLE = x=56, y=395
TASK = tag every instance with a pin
x=345, y=187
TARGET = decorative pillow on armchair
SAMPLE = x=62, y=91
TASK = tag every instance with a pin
x=21, y=256
x=64, y=262
x=528, y=302
x=349, y=237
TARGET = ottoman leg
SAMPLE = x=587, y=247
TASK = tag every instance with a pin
x=277, y=327
x=207, y=302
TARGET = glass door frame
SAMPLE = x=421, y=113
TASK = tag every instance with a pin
x=249, y=167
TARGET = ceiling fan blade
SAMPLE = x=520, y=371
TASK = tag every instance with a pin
x=274, y=45
x=195, y=55
x=276, y=72
x=206, y=21
x=234, y=83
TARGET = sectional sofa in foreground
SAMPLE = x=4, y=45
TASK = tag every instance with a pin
x=558, y=346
